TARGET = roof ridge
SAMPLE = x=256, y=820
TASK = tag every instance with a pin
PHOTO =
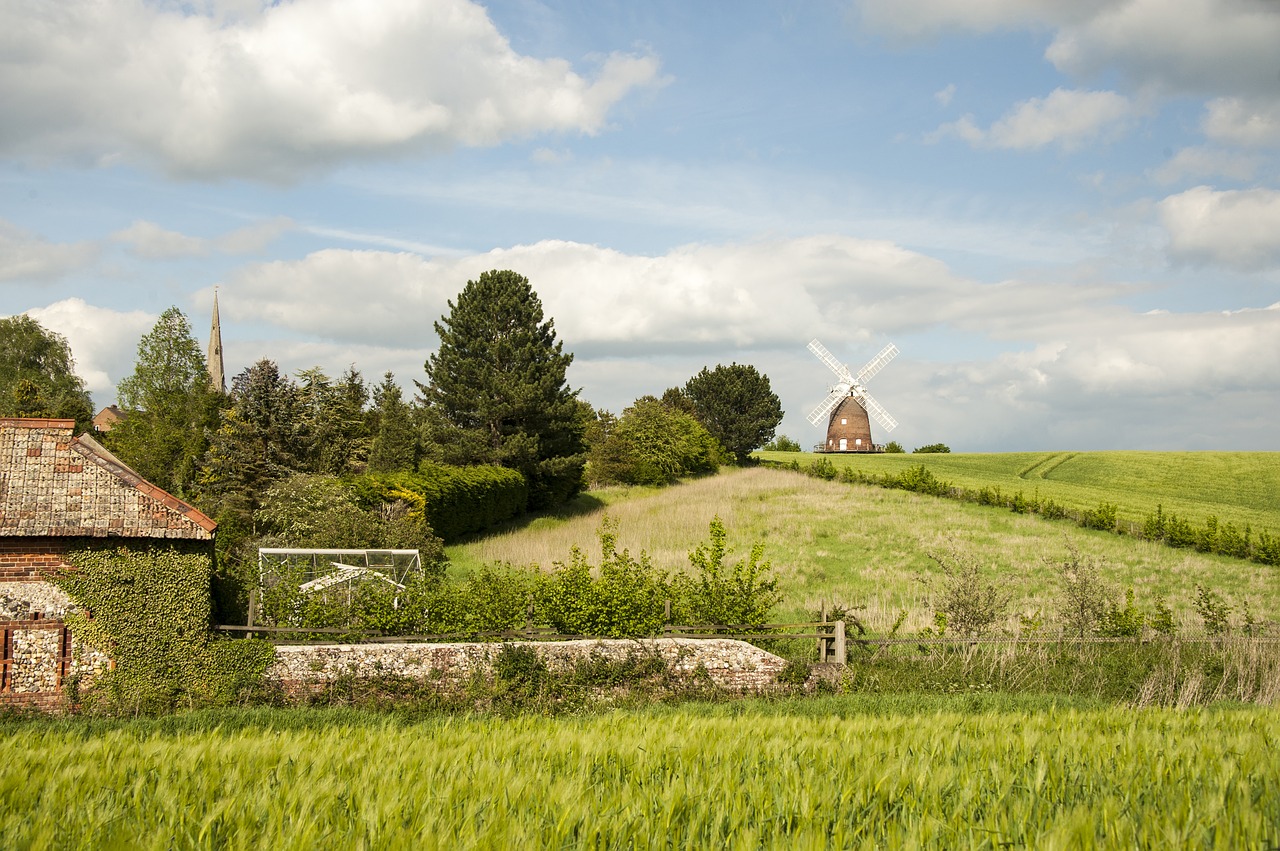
x=100, y=455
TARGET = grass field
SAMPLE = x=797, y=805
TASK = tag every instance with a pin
x=821, y=773
x=868, y=547
x=1237, y=487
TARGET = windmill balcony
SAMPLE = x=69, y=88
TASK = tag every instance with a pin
x=863, y=449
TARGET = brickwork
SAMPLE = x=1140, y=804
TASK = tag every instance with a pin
x=57, y=492
x=733, y=665
x=38, y=656
x=54, y=484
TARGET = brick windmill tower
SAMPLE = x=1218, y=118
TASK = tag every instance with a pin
x=848, y=404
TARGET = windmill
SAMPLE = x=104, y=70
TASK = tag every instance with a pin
x=848, y=403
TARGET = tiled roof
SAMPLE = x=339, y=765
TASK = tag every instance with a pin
x=55, y=484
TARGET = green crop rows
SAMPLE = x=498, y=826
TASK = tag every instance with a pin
x=739, y=775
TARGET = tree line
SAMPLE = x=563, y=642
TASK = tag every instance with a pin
x=494, y=394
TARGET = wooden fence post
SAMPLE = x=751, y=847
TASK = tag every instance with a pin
x=841, y=649
x=666, y=614
x=823, y=645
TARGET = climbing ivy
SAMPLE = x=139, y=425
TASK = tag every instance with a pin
x=148, y=607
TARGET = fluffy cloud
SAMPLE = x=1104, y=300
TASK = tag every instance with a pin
x=103, y=341
x=1251, y=122
x=26, y=257
x=281, y=90
x=149, y=240
x=1239, y=229
x=1201, y=162
x=697, y=297
x=1066, y=117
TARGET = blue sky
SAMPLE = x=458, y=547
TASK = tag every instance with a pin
x=1065, y=213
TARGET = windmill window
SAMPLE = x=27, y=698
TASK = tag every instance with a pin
x=844, y=421
x=857, y=441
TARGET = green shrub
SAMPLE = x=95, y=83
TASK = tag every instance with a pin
x=782, y=443
x=453, y=501
x=1213, y=611
x=893, y=447
x=972, y=603
x=932, y=448
x=715, y=593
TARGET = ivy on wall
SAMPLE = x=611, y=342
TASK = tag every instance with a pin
x=148, y=607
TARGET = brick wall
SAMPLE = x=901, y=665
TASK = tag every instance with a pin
x=27, y=559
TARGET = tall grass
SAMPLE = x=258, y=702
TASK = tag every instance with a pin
x=868, y=547
x=672, y=778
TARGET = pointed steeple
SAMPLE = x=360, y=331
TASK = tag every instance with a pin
x=217, y=378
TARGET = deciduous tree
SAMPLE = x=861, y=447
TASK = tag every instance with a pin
x=37, y=374
x=170, y=407
x=737, y=405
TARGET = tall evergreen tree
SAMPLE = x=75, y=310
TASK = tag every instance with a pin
x=37, y=374
x=336, y=435
x=262, y=438
x=498, y=384
x=170, y=407
x=737, y=405
x=395, y=445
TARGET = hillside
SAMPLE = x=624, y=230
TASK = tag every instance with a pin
x=865, y=546
x=1237, y=487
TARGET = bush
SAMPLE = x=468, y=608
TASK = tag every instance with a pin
x=717, y=594
x=1213, y=610
x=453, y=501
x=1085, y=595
x=654, y=444
x=970, y=603
x=932, y=448
x=627, y=598
x=893, y=447
x=782, y=443
x=1102, y=518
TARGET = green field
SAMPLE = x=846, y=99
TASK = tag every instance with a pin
x=865, y=546
x=1237, y=487
x=819, y=773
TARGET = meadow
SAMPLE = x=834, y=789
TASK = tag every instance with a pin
x=867, y=548
x=1236, y=487
x=992, y=772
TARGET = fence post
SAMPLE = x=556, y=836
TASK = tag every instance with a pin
x=666, y=614
x=823, y=645
x=841, y=650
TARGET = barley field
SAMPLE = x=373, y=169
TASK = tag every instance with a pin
x=868, y=547
x=826, y=773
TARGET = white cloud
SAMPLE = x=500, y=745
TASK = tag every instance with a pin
x=149, y=240
x=945, y=94
x=914, y=19
x=1239, y=229
x=1191, y=46
x=27, y=257
x=697, y=297
x=152, y=242
x=289, y=89
x=1198, y=162
x=1252, y=123
x=103, y=341
x=1066, y=117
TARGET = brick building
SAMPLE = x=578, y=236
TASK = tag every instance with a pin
x=58, y=492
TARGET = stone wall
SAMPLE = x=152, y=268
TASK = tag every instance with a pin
x=733, y=665
x=38, y=658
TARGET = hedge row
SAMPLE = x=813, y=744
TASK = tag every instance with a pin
x=456, y=501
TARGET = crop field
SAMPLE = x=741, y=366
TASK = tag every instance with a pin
x=823, y=773
x=868, y=547
x=1236, y=487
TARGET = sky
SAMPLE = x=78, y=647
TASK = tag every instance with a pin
x=1064, y=213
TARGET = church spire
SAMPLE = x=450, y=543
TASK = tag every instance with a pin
x=216, y=376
